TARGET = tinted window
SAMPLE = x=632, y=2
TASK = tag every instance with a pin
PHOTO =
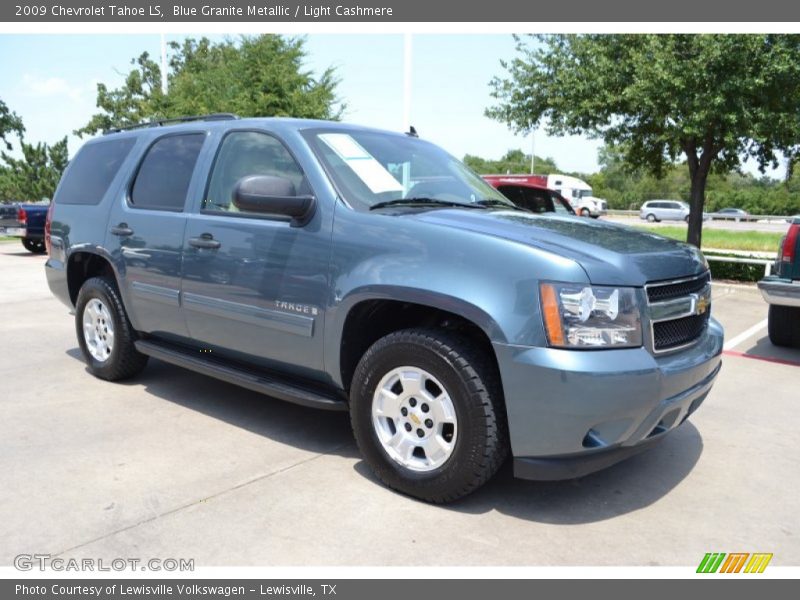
x=537, y=201
x=164, y=175
x=513, y=193
x=244, y=153
x=92, y=170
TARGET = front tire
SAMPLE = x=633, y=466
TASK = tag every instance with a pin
x=585, y=212
x=427, y=414
x=783, y=325
x=105, y=334
x=35, y=246
x=651, y=218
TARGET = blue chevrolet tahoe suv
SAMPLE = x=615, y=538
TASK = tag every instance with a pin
x=347, y=268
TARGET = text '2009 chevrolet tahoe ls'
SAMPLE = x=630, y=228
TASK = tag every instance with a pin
x=347, y=268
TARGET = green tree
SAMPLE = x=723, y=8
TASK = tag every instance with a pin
x=9, y=123
x=513, y=161
x=715, y=99
x=34, y=176
x=253, y=76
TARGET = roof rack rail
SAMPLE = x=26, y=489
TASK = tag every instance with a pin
x=174, y=120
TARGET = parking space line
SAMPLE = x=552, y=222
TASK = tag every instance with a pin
x=780, y=361
x=735, y=341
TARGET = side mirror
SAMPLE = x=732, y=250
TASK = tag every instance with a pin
x=274, y=196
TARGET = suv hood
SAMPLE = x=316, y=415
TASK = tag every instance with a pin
x=610, y=254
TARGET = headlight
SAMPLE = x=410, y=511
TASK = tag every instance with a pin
x=587, y=317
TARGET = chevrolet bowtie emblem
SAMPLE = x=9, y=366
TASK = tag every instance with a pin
x=702, y=305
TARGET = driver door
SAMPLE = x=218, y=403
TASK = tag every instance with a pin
x=254, y=286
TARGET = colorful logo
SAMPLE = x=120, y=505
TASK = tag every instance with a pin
x=735, y=562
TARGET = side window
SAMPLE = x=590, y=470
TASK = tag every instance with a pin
x=537, y=201
x=91, y=172
x=244, y=153
x=560, y=206
x=164, y=175
x=513, y=193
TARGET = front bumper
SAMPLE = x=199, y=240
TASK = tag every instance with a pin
x=574, y=412
x=780, y=291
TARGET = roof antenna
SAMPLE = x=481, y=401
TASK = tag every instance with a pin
x=412, y=132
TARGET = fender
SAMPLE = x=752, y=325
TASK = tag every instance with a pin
x=337, y=316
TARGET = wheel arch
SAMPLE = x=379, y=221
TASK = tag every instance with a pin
x=85, y=263
x=371, y=314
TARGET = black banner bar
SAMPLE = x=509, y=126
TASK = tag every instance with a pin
x=399, y=11
x=381, y=589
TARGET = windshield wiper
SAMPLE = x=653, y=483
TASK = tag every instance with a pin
x=503, y=203
x=424, y=201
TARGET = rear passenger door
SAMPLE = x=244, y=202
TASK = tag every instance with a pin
x=146, y=230
x=254, y=287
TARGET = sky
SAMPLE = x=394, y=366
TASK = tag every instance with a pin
x=50, y=81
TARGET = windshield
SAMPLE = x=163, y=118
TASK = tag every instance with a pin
x=586, y=193
x=369, y=168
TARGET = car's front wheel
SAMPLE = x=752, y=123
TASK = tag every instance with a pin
x=585, y=212
x=651, y=218
x=105, y=334
x=427, y=413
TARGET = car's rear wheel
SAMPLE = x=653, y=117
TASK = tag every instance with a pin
x=426, y=409
x=35, y=246
x=686, y=218
x=105, y=334
x=651, y=218
x=784, y=325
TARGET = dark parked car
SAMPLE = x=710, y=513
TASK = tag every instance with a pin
x=782, y=291
x=25, y=221
x=347, y=268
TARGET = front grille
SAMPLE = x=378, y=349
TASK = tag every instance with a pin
x=669, y=291
x=673, y=334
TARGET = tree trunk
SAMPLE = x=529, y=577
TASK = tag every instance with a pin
x=699, y=168
x=697, y=200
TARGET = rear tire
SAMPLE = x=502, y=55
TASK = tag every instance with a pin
x=105, y=334
x=784, y=325
x=448, y=440
x=35, y=246
x=686, y=218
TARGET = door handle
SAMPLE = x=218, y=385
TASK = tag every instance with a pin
x=205, y=240
x=122, y=230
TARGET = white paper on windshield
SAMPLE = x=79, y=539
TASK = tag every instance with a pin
x=362, y=163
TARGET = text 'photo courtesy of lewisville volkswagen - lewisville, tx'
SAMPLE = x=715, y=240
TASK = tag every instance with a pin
x=320, y=305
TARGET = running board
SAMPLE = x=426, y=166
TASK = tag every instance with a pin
x=258, y=382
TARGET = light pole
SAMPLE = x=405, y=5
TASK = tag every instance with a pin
x=533, y=149
x=407, y=82
x=163, y=64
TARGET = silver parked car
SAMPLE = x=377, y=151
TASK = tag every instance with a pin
x=664, y=210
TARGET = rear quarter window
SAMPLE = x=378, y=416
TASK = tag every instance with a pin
x=91, y=172
x=165, y=173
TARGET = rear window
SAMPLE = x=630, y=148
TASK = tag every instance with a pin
x=92, y=170
x=166, y=171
